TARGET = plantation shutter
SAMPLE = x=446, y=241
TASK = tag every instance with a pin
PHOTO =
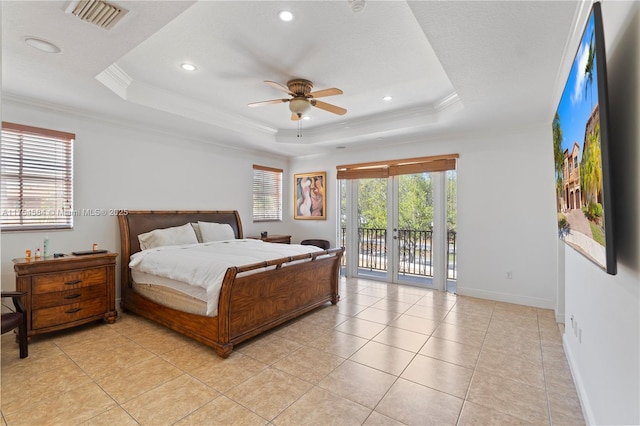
x=37, y=178
x=267, y=194
x=384, y=169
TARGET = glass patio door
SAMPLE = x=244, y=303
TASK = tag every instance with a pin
x=400, y=228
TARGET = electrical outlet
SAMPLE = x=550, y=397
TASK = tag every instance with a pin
x=509, y=275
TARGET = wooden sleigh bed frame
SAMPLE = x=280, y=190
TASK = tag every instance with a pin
x=249, y=304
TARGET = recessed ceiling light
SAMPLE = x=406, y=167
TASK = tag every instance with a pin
x=43, y=45
x=285, y=15
x=188, y=67
x=387, y=98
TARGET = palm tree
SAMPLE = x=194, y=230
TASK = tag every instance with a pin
x=588, y=69
x=590, y=168
x=558, y=156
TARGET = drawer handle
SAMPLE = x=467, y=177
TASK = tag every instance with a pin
x=72, y=296
x=72, y=282
x=72, y=311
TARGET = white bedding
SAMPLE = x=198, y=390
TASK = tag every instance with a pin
x=204, y=265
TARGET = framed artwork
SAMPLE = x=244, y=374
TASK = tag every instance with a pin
x=310, y=198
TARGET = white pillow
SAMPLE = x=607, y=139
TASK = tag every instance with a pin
x=174, y=236
x=212, y=231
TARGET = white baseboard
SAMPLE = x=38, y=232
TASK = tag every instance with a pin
x=506, y=297
x=577, y=379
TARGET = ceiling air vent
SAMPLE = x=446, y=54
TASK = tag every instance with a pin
x=97, y=12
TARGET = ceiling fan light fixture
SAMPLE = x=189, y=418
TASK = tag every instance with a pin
x=299, y=105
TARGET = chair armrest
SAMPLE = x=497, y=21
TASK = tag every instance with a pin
x=14, y=293
x=16, y=296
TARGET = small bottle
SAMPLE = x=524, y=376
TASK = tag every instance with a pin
x=94, y=247
x=27, y=254
x=38, y=253
x=46, y=246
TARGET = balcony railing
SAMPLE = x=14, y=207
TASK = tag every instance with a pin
x=416, y=256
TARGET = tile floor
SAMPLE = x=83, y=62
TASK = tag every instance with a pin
x=384, y=355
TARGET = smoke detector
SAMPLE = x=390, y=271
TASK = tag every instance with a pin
x=97, y=12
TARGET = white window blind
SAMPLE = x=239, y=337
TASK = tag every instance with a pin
x=267, y=194
x=37, y=178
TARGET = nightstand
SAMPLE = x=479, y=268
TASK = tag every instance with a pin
x=282, y=239
x=67, y=291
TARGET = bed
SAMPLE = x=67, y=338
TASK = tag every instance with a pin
x=253, y=298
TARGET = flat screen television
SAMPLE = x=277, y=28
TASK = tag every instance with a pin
x=580, y=127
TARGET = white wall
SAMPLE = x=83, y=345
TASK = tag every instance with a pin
x=606, y=361
x=506, y=210
x=120, y=167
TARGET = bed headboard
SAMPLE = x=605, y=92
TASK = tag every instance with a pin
x=137, y=222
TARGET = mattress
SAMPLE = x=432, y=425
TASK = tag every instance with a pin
x=170, y=293
x=197, y=270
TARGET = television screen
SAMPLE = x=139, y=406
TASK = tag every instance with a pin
x=581, y=152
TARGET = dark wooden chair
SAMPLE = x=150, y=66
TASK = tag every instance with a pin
x=17, y=319
x=323, y=244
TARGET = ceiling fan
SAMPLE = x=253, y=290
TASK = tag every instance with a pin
x=303, y=98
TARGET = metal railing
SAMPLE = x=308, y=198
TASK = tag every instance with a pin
x=416, y=256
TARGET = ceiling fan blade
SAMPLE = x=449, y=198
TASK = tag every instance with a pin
x=326, y=92
x=295, y=117
x=273, y=101
x=328, y=107
x=279, y=86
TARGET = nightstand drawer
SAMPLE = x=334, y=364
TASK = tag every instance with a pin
x=58, y=298
x=68, y=280
x=41, y=318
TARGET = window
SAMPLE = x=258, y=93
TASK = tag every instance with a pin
x=267, y=194
x=37, y=178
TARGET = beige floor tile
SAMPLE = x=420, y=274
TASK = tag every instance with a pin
x=514, y=398
x=114, y=416
x=417, y=324
x=402, y=339
x=327, y=317
x=222, y=411
x=320, y=407
x=309, y=364
x=268, y=349
x=361, y=328
x=226, y=373
x=461, y=319
x=565, y=408
x=170, y=402
x=380, y=316
x=191, y=356
x=24, y=391
x=354, y=361
x=338, y=343
x=129, y=382
x=269, y=392
x=392, y=305
x=450, y=351
x=464, y=335
x=511, y=345
x=377, y=419
x=414, y=404
x=80, y=403
x=358, y=383
x=439, y=375
x=384, y=358
x=428, y=312
x=474, y=414
x=512, y=367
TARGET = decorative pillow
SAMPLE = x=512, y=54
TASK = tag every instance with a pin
x=174, y=236
x=212, y=231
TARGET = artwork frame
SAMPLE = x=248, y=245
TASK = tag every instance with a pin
x=310, y=196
